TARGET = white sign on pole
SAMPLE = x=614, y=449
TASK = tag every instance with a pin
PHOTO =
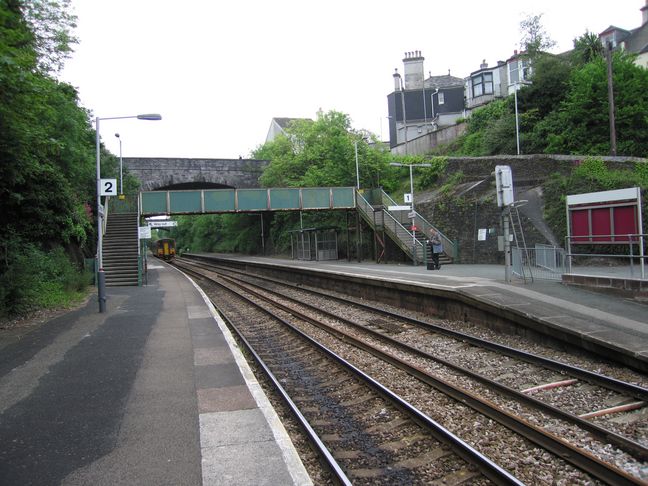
x=504, y=183
x=162, y=224
x=407, y=197
x=144, y=232
x=411, y=215
x=399, y=208
x=108, y=187
x=481, y=234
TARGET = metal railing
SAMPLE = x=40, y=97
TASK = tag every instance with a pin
x=544, y=262
x=621, y=265
x=423, y=226
x=383, y=219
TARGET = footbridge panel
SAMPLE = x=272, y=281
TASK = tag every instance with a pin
x=213, y=201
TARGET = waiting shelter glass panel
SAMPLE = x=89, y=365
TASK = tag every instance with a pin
x=185, y=202
x=218, y=200
x=284, y=199
x=252, y=200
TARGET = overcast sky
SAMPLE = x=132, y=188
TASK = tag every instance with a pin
x=218, y=72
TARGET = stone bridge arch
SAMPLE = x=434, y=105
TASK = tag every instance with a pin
x=179, y=173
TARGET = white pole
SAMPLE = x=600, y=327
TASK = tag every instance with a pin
x=355, y=144
x=517, y=122
x=101, y=281
x=413, y=215
x=121, y=169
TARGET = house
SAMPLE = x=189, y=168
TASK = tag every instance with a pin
x=491, y=83
x=418, y=106
x=634, y=41
x=486, y=84
x=278, y=126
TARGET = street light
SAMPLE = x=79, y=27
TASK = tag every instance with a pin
x=101, y=276
x=355, y=145
x=121, y=168
x=412, y=212
x=517, y=121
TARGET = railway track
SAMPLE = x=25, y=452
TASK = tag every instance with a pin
x=517, y=411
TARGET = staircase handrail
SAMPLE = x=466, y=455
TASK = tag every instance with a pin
x=403, y=236
x=449, y=246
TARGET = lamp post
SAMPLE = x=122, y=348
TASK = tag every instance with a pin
x=355, y=146
x=121, y=168
x=517, y=121
x=412, y=211
x=101, y=276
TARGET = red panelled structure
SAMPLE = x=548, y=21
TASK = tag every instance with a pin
x=604, y=217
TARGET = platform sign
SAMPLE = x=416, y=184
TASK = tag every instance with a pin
x=108, y=187
x=162, y=224
x=399, y=208
x=504, y=183
x=144, y=232
x=407, y=198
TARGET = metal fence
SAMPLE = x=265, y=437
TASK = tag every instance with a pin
x=625, y=256
x=544, y=262
x=314, y=244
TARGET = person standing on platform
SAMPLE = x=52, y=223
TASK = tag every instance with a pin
x=437, y=249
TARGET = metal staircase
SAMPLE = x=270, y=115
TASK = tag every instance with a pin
x=397, y=226
x=120, y=250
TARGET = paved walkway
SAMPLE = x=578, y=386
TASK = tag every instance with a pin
x=153, y=391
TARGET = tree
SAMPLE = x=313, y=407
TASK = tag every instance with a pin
x=534, y=37
x=46, y=147
x=587, y=48
x=322, y=153
x=581, y=125
x=51, y=24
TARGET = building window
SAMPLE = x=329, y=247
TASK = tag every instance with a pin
x=482, y=84
x=513, y=73
x=519, y=71
x=441, y=98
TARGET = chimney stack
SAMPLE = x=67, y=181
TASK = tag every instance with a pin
x=644, y=13
x=483, y=65
x=414, y=74
x=397, y=80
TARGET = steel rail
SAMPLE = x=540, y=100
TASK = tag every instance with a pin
x=613, y=384
x=491, y=470
x=581, y=459
x=634, y=448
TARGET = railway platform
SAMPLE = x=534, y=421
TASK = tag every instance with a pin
x=153, y=391
x=593, y=318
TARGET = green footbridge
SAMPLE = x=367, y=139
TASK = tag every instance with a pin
x=374, y=206
x=212, y=201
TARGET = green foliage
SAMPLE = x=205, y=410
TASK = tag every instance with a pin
x=452, y=182
x=430, y=175
x=322, y=153
x=534, y=36
x=587, y=48
x=581, y=124
x=491, y=131
x=47, y=155
x=35, y=279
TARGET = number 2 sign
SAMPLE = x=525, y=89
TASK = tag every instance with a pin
x=108, y=187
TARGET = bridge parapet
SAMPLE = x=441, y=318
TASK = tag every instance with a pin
x=160, y=173
x=213, y=201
